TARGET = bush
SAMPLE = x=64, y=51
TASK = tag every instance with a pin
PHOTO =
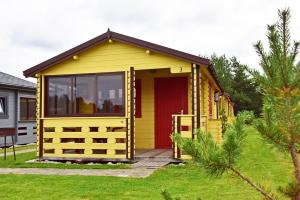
x=249, y=117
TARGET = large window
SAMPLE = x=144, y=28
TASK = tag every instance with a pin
x=3, y=107
x=27, y=109
x=86, y=95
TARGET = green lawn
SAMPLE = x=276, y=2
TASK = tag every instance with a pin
x=18, y=148
x=261, y=163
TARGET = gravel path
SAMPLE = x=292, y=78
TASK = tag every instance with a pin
x=140, y=169
x=140, y=172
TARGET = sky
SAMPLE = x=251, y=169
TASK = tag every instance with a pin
x=35, y=30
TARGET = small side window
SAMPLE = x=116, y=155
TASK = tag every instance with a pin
x=3, y=107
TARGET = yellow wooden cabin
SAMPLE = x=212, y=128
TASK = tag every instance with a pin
x=115, y=96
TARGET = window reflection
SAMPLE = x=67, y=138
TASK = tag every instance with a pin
x=85, y=94
x=59, y=95
x=27, y=108
x=101, y=94
x=110, y=94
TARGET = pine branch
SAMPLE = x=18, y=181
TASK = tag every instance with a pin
x=264, y=60
x=284, y=20
x=252, y=184
x=295, y=50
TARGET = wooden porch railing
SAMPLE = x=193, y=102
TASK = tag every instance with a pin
x=185, y=126
x=93, y=138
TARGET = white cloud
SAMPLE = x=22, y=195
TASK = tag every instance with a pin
x=35, y=30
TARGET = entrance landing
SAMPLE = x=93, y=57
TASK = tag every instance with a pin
x=153, y=158
x=153, y=153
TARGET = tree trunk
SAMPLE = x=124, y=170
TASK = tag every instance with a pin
x=256, y=187
x=295, y=160
x=293, y=150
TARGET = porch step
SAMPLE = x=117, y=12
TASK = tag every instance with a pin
x=151, y=163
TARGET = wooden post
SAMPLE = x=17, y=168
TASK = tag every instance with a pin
x=193, y=100
x=131, y=113
x=127, y=138
x=198, y=96
x=41, y=127
x=173, y=131
x=178, y=131
x=4, y=147
x=13, y=143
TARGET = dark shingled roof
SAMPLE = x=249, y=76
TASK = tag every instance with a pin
x=7, y=80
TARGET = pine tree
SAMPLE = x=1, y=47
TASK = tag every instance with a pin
x=280, y=84
x=219, y=158
x=236, y=81
x=223, y=70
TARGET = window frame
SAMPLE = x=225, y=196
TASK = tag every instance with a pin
x=27, y=109
x=5, y=114
x=73, y=96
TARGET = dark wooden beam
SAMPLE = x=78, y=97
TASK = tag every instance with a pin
x=13, y=144
x=127, y=138
x=41, y=126
x=178, y=131
x=198, y=96
x=173, y=131
x=193, y=100
x=4, y=147
x=131, y=113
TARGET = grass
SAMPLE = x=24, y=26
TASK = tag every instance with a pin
x=22, y=158
x=19, y=148
x=261, y=163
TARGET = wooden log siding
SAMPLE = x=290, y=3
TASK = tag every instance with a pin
x=39, y=123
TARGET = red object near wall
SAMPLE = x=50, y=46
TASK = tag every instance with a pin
x=138, y=98
x=210, y=101
x=170, y=97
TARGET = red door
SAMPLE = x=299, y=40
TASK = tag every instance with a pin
x=170, y=97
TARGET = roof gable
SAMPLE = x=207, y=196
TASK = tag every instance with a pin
x=118, y=37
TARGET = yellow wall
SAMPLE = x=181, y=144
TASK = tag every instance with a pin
x=144, y=126
x=117, y=56
x=120, y=57
x=111, y=58
x=207, y=79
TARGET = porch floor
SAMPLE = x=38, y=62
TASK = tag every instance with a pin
x=155, y=156
x=153, y=153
